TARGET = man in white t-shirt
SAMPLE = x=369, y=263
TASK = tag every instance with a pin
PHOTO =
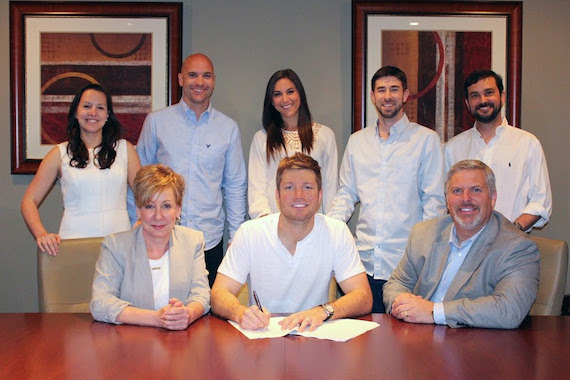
x=289, y=259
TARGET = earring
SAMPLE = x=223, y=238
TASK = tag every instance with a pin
x=178, y=220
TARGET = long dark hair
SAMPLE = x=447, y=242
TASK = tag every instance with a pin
x=273, y=122
x=112, y=132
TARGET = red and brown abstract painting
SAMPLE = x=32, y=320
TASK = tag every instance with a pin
x=436, y=64
x=120, y=62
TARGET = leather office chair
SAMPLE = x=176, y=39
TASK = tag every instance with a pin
x=243, y=294
x=64, y=281
x=553, y=267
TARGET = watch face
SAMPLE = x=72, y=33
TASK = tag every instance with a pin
x=329, y=308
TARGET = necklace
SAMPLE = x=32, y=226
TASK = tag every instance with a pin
x=157, y=264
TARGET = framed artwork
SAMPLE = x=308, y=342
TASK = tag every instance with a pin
x=132, y=49
x=437, y=45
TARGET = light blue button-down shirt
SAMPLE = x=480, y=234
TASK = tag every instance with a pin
x=457, y=254
x=207, y=152
x=398, y=182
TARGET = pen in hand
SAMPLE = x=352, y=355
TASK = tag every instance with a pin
x=256, y=298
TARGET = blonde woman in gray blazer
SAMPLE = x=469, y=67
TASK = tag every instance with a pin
x=154, y=274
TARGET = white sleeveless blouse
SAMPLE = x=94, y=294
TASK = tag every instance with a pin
x=94, y=200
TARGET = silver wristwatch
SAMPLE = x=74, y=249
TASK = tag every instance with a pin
x=328, y=309
x=519, y=226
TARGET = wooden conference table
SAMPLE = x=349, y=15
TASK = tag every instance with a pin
x=73, y=346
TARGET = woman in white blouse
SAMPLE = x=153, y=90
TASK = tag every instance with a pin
x=288, y=128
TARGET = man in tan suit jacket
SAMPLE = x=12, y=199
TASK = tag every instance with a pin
x=469, y=268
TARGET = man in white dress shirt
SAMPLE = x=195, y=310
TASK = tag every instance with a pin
x=395, y=170
x=516, y=156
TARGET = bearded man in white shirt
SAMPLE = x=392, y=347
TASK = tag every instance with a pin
x=516, y=156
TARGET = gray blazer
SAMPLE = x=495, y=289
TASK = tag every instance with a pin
x=123, y=278
x=495, y=286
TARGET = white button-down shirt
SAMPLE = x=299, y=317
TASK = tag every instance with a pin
x=517, y=159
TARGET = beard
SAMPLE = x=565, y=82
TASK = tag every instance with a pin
x=487, y=119
x=389, y=115
x=466, y=223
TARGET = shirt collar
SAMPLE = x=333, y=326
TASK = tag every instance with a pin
x=455, y=241
x=498, y=131
x=501, y=128
x=188, y=111
x=396, y=129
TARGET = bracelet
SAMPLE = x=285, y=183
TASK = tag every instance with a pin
x=518, y=225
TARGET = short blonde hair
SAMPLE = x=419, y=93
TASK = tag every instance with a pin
x=153, y=179
x=299, y=161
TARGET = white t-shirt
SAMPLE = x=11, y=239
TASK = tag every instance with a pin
x=288, y=283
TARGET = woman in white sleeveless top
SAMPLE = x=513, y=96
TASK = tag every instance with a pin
x=288, y=128
x=94, y=168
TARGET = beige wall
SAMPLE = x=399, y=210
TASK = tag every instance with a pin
x=248, y=41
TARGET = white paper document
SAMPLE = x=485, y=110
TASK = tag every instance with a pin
x=340, y=330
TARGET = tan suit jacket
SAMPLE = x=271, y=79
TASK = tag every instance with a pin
x=495, y=286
